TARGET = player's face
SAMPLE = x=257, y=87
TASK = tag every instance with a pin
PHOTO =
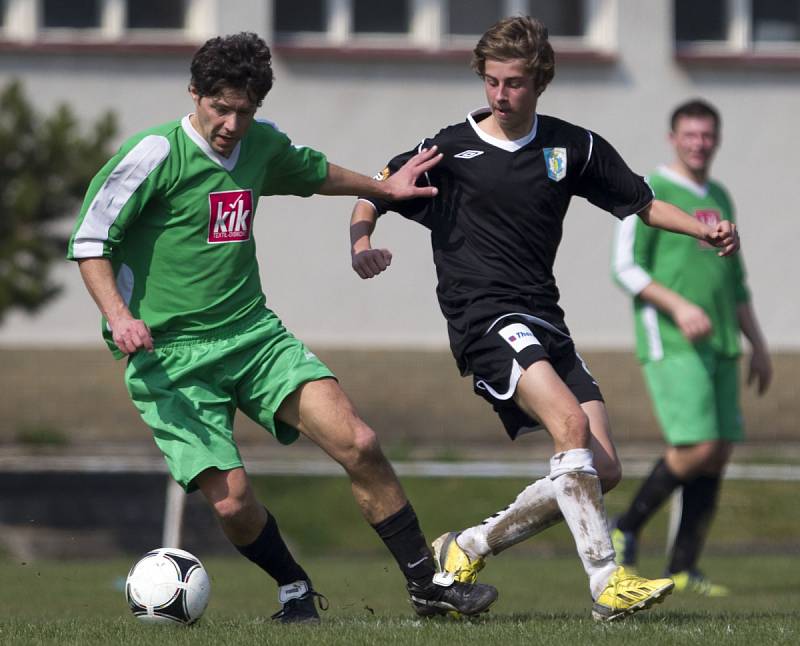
x=695, y=141
x=511, y=94
x=224, y=119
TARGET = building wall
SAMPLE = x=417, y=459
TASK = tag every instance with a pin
x=362, y=110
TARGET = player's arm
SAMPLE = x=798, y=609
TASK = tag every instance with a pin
x=400, y=186
x=669, y=217
x=631, y=259
x=130, y=334
x=367, y=262
x=760, y=368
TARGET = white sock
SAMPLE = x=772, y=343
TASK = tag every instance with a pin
x=581, y=501
x=534, y=509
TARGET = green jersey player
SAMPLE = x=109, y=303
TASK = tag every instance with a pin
x=166, y=249
x=690, y=308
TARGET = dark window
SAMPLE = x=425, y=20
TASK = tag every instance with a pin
x=300, y=15
x=76, y=13
x=467, y=17
x=155, y=14
x=562, y=17
x=706, y=20
x=776, y=20
x=372, y=17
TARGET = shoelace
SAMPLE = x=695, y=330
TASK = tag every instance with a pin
x=322, y=602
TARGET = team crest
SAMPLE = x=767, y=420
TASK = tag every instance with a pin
x=556, y=161
x=384, y=174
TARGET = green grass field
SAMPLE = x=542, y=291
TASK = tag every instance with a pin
x=542, y=600
x=543, y=593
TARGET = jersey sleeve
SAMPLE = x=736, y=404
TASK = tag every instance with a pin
x=632, y=254
x=291, y=169
x=412, y=209
x=116, y=197
x=607, y=182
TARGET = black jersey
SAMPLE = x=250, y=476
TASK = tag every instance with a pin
x=496, y=222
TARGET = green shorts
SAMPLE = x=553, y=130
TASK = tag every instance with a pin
x=696, y=397
x=188, y=391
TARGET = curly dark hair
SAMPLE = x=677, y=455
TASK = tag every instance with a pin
x=239, y=62
x=518, y=37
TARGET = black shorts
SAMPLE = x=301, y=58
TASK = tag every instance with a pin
x=511, y=345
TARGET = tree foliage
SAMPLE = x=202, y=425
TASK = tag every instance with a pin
x=46, y=164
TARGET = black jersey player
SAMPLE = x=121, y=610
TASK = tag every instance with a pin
x=504, y=185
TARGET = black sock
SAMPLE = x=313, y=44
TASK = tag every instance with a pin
x=402, y=535
x=699, y=502
x=270, y=553
x=654, y=491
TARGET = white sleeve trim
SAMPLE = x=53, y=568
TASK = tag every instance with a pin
x=632, y=277
x=113, y=195
x=366, y=200
x=589, y=154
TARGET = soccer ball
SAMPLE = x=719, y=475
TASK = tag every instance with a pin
x=168, y=586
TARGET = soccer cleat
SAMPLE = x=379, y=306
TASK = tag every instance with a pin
x=695, y=581
x=449, y=557
x=626, y=547
x=445, y=595
x=297, y=604
x=627, y=593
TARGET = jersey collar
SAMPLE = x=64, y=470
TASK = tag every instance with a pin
x=510, y=146
x=228, y=163
x=700, y=190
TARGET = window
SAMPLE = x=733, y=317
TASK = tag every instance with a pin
x=77, y=14
x=701, y=21
x=299, y=15
x=776, y=20
x=373, y=17
x=469, y=18
x=562, y=17
x=155, y=14
x=435, y=24
x=736, y=27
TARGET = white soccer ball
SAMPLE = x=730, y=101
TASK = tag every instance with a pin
x=168, y=586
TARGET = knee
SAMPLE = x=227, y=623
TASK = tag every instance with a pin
x=364, y=449
x=231, y=509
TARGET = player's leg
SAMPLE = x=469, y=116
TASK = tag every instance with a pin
x=543, y=395
x=321, y=411
x=682, y=392
x=531, y=512
x=186, y=399
x=254, y=533
x=700, y=494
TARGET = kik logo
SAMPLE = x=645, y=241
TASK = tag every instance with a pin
x=230, y=216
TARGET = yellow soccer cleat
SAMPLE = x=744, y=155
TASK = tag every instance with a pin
x=627, y=593
x=449, y=557
x=689, y=581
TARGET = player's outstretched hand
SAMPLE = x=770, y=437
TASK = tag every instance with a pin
x=402, y=184
x=725, y=237
x=131, y=335
x=371, y=262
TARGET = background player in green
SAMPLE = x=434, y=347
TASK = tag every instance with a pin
x=165, y=246
x=690, y=307
x=505, y=182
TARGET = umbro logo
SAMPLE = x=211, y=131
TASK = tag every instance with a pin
x=468, y=154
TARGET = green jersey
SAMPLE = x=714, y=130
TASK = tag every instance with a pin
x=176, y=220
x=683, y=264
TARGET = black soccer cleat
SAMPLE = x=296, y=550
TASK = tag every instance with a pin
x=444, y=595
x=297, y=604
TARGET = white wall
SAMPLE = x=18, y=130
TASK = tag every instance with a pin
x=361, y=113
